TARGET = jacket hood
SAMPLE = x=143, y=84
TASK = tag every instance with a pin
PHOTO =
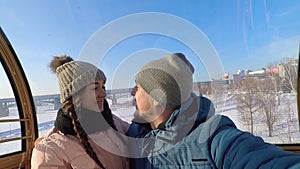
x=184, y=120
x=196, y=108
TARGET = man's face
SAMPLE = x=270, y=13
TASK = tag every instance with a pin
x=143, y=100
x=147, y=108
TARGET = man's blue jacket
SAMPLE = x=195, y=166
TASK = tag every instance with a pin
x=193, y=137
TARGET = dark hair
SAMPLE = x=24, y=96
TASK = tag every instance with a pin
x=80, y=133
x=107, y=115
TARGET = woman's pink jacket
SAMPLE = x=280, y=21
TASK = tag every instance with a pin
x=56, y=150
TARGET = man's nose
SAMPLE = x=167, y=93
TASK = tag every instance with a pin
x=133, y=91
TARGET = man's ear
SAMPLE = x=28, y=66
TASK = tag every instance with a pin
x=158, y=105
x=155, y=103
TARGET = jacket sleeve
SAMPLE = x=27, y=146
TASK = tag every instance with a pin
x=232, y=148
x=44, y=157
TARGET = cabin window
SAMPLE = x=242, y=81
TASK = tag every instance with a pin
x=10, y=127
x=245, y=53
x=46, y=108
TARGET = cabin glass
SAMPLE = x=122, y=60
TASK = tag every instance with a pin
x=245, y=53
x=9, y=129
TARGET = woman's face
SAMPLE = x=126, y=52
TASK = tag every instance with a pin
x=93, y=96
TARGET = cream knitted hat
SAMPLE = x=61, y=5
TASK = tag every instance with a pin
x=74, y=75
x=168, y=80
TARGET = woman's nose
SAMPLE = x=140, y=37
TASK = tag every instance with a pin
x=101, y=93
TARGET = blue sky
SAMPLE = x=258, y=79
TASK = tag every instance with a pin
x=245, y=35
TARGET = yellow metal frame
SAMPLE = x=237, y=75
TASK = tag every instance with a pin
x=298, y=87
x=26, y=107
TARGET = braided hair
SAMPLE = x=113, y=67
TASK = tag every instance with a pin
x=80, y=133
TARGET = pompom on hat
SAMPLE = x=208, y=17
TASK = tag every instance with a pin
x=73, y=75
x=168, y=80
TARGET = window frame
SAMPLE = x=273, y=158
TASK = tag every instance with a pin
x=25, y=104
x=27, y=112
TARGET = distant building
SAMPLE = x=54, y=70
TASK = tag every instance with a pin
x=274, y=70
x=236, y=78
x=290, y=66
x=241, y=74
x=226, y=76
x=205, y=88
x=260, y=74
x=227, y=79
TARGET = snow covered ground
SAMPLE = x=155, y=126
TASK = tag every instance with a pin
x=282, y=129
x=46, y=116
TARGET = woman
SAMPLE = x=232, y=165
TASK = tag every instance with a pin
x=85, y=134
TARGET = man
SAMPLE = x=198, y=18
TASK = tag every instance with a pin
x=174, y=128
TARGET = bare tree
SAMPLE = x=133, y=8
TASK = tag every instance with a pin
x=268, y=104
x=204, y=89
x=275, y=80
x=217, y=91
x=288, y=74
x=289, y=129
x=288, y=114
x=247, y=102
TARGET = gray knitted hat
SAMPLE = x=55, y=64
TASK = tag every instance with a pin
x=74, y=75
x=168, y=80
